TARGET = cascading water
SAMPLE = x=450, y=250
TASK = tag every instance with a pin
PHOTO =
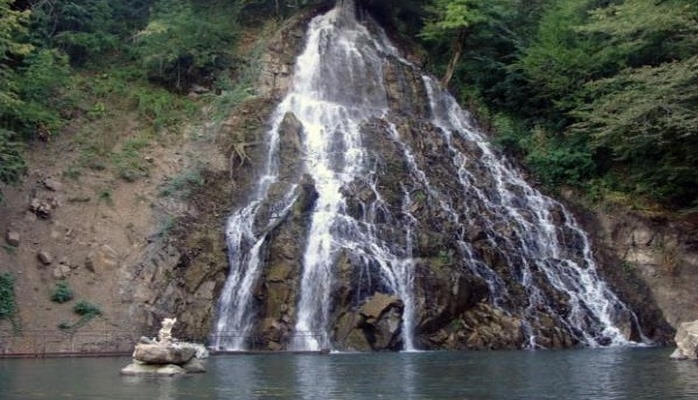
x=382, y=213
x=331, y=116
x=529, y=215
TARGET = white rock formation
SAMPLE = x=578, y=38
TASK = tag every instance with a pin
x=686, y=341
x=165, y=356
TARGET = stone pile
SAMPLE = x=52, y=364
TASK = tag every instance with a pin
x=165, y=356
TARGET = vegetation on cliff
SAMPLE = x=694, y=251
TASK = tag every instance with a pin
x=596, y=94
x=600, y=95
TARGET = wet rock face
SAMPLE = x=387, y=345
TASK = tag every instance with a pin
x=651, y=263
x=276, y=292
x=478, y=282
x=454, y=305
x=444, y=295
x=375, y=326
x=277, y=63
x=405, y=89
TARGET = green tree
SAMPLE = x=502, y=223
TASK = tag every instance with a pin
x=183, y=43
x=634, y=33
x=82, y=29
x=648, y=118
x=558, y=61
x=452, y=21
x=12, y=27
x=642, y=110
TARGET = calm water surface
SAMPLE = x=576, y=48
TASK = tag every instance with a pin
x=574, y=374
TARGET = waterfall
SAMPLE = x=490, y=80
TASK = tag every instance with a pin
x=374, y=214
x=338, y=86
x=530, y=216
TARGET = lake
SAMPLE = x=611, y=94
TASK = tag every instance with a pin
x=617, y=373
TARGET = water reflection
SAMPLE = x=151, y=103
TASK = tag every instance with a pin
x=315, y=378
x=603, y=374
x=240, y=377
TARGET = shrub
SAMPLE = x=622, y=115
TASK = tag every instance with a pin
x=62, y=293
x=129, y=162
x=184, y=41
x=7, y=296
x=86, y=309
x=12, y=164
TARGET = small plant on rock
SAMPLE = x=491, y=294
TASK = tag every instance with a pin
x=62, y=293
x=7, y=296
x=86, y=310
x=8, y=302
x=9, y=249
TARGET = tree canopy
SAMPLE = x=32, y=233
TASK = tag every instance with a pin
x=594, y=94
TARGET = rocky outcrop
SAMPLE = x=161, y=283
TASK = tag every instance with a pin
x=156, y=359
x=158, y=354
x=652, y=262
x=375, y=326
x=165, y=356
x=686, y=342
x=12, y=238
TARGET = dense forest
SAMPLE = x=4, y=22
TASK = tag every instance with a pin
x=599, y=95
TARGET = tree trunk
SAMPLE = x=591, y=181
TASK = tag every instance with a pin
x=457, y=50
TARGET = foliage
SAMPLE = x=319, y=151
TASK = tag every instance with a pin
x=12, y=165
x=279, y=8
x=184, y=42
x=648, y=118
x=161, y=108
x=62, y=293
x=557, y=163
x=8, y=305
x=12, y=26
x=87, y=312
x=643, y=32
x=129, y=162
x=453, y=21
x=29, y=78
x=558, y=62
x=449, y=16
x=589, y=92
x=40, y=79
x=86, y=309
x=83, y=30
x=182, y=184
